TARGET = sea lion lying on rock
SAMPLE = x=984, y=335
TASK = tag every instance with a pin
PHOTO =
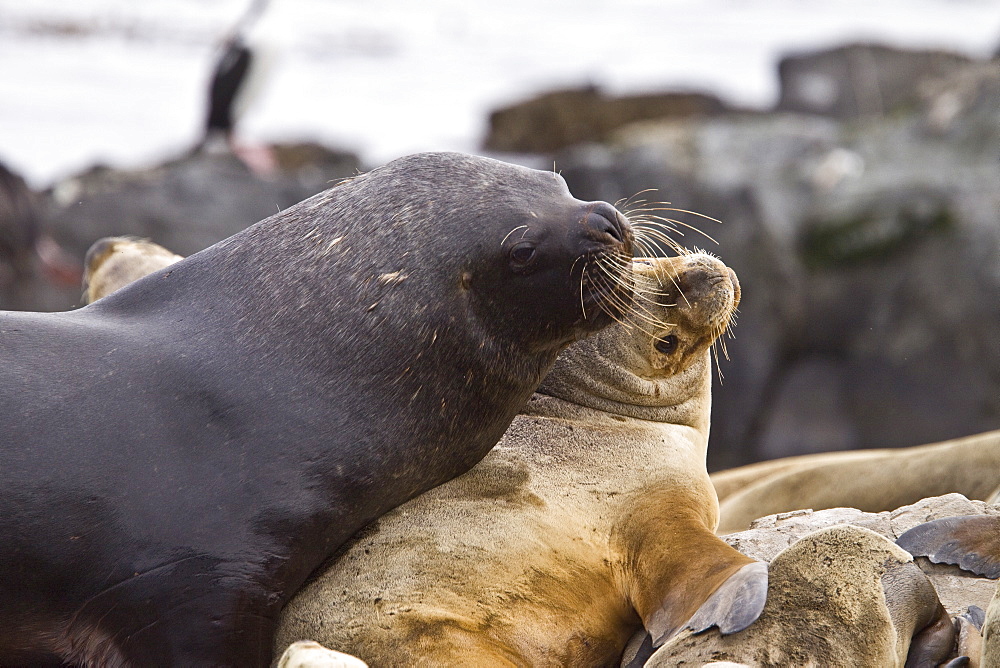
x=870, y=480
x=593, y=517
x=180, y=455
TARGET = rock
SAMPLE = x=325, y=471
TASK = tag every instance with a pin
x=869, y=253
x=563, y=118
x=189, y=203
x=957, y=589
x=859, y=80
x=18, y=234
x=35, y=272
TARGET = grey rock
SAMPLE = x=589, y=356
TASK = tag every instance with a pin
x=186, y=204
x=869, y=251
x=957, y=589
x=859, y=79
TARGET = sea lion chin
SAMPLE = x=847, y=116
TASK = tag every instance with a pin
x=182, y=453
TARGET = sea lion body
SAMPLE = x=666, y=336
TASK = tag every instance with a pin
x=593, y=517
x=184, y=452
x=114, y=262
x=869, y=480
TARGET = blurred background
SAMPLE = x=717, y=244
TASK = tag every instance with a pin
x=851, y=150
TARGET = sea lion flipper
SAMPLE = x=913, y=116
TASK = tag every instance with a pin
x=736, y=604
x=975, y=616
x=971, y=542
x=310, y=654
x=935, y=643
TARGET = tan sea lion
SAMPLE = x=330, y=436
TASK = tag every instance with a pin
x=113, y=262
x=592, y=518
x=841, y=596
x=869, y=480
x=991, y=634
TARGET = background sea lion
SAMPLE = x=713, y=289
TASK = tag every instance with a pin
x=181, y=454
x=840, y=596
x=869, y=480
x=593, y=516
x=114, y=262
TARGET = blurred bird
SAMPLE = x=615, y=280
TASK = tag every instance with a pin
x=241, y=68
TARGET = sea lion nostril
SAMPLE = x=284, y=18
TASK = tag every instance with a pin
x=605, y=218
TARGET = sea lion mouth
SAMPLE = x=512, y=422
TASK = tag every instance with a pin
x=606, y=282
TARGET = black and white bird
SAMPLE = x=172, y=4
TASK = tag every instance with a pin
x=242, y=66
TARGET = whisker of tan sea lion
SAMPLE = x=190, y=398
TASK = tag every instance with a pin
x=718, y=367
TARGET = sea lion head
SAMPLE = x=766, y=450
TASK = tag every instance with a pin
x=658, y=359
x=688, y=303
x=560, y=268
x=113, y=262
x=499, y=248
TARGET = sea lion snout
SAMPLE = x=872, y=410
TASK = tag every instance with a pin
x=603, y=220
x=705, y=282
x=737, y=293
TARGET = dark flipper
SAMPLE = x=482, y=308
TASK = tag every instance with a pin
x=971, y=542
x=975, y=616
x=934, y=643
x=736, y=604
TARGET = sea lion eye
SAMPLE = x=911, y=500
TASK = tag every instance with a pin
x=667, y=344
x=522, y=254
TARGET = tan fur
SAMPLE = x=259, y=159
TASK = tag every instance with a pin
x=594, y=509
x=841, y=596
x=991, y=634
x=869, y=480
x=113, y=262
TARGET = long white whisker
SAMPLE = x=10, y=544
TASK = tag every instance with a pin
x=519, y=227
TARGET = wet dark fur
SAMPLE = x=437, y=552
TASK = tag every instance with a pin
x=179, y=456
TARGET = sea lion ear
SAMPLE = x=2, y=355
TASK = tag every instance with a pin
x=971, y=542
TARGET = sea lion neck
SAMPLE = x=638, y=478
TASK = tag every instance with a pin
x=584, y=375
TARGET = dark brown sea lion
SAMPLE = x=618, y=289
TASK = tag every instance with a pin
x=592, y=519
x=180, y=455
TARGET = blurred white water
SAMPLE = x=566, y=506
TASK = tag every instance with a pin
x=123, y=82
